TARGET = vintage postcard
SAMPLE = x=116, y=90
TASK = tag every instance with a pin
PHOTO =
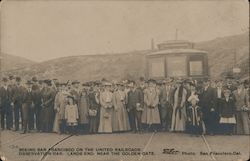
x=116, y=80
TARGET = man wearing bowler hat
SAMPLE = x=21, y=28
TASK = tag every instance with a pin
x=135, y=107
x=17, y=99
x=27, y=106
x=11, y=85
x=6, y=111
x=166, y=104
x=207, y=103
x=36, y=92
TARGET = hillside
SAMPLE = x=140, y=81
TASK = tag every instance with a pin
x=132, y=64
x=221, y=53
x=91, y=67
x=11, y=62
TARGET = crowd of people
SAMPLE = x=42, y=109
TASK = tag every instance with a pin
x=171, y=105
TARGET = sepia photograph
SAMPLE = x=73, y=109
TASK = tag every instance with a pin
x=117, y=80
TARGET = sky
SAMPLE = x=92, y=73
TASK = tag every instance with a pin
x=44, y=30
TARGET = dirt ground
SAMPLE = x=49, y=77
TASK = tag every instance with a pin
x=123, y=147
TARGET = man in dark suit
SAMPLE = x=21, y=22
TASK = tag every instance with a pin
x=27, y=106
x=166, y=103
x=17, y=100
x=208, y=108
x=6, y=109
x=230, y=85
x=218, y=94
x=11, y=86
x=37, y=100
x=135, y=107
x=75, y=90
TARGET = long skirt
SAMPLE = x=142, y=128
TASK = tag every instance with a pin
x=47, y=119
x=178, y=119
x=120, y=120
x=93, y=124
x=242, y=122
x=105, y=124
x=56, y=125
x=151, y=115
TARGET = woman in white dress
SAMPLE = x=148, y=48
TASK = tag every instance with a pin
x=106, y=110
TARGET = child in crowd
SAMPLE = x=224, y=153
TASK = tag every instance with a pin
x=71, y=115
x=194, y=116
x=227, y=113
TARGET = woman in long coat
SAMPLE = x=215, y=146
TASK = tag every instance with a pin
x=94, y=110
x=83, y=108
x=106, y=111
x=179, y=108
x=120, y=115
x=150, y=114
x=48, y=96
x=59, y=107
x=242, y=109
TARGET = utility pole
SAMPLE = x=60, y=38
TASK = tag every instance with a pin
x=1, y=54
x=152, y=44
x=176, y=34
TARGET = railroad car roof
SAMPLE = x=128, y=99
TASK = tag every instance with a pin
x=177, y=51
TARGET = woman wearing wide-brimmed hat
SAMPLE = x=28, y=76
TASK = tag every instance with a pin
x=179, y=108
x=195, y=125
x=150, y=114
x=59, y=107
x=120, y=120
x=48, y=97
x=106, y=111
x=84, y=109
x=94, y=108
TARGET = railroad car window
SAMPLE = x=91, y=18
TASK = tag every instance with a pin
x=195, y=67
x=176, y=66
x=156, y=67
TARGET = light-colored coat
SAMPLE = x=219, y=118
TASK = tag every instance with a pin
x=120, y=114
x=150, y=114
x=106, y=112
x=242, y=120
x=59, y=107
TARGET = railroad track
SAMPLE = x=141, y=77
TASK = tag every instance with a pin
x=148, y=143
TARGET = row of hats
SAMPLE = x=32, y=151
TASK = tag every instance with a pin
x=18, y=79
